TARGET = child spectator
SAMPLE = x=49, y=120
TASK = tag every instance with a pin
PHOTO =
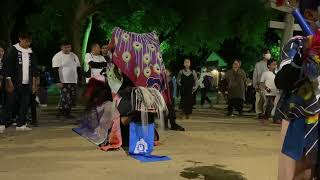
x=271, y=91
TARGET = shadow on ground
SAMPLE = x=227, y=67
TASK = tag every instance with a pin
x=215, y=172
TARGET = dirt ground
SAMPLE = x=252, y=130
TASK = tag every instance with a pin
x=213, y=147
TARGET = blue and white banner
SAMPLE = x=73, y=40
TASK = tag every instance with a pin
x=141, y=143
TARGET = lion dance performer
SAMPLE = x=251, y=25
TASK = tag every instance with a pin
x=299, y=79
x=122, y=111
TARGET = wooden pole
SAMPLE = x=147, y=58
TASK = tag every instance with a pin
x=288, y=29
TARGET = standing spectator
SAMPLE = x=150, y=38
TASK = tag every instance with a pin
x=34, y=104
x=250, y=93
x=43, y=90
x=188, y=82
x=271, y=91
x=205, y=83
x=1, y=77
x=174, y=82
x=222, y=88
x=171, y=107
x=96, y=62
x=106, y=52
x=260, y=68
x=20, y=70
x=1, y=56
x=236, y=80
x=2, y=121
x=67, y=71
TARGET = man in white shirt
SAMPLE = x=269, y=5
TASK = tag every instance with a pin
x=20, y=70
x=270, y=89
x=260, y=68
x=96, y=63
x=67, y=70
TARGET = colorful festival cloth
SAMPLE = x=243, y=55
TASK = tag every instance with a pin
x=139, y=58
x=95, y=124
x=101, y=122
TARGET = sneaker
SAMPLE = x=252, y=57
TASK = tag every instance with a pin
x=69, y=116
x=43, y=105
x=23, y=128
x=2, y=129
x=37, y=100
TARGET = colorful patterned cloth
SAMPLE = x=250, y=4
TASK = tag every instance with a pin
x=96, y=123
x=139, y=58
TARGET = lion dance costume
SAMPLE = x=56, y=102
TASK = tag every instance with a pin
x=299, y=81
x=122, y=111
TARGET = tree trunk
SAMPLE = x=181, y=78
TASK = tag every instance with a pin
x=85, y=43
x=5, y=32
x=8, y=10
x=288, y=30
x=76, y=36
x=81, y=12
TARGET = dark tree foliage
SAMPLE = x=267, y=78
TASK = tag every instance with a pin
x=185, y=27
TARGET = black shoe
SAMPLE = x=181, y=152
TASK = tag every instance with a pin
x=229, y=114
x=69, y=116
x=240, y=113
x=166, y=127
x=261, y=116
x=34, y=124
x=176, y=127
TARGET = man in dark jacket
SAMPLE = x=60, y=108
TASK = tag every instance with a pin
x=20, y=71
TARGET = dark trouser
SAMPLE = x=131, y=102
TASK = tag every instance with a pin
x=171, y=115
x=33, y=106
x=194, y=98
x=269, y=106
x=22, y=95
x=204, y=96
x=43, y=95
x=3, y=112
x=235, y=103
x=66, y=98
x=181, y=98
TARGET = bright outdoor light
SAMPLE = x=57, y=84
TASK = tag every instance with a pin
x=215, y=72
